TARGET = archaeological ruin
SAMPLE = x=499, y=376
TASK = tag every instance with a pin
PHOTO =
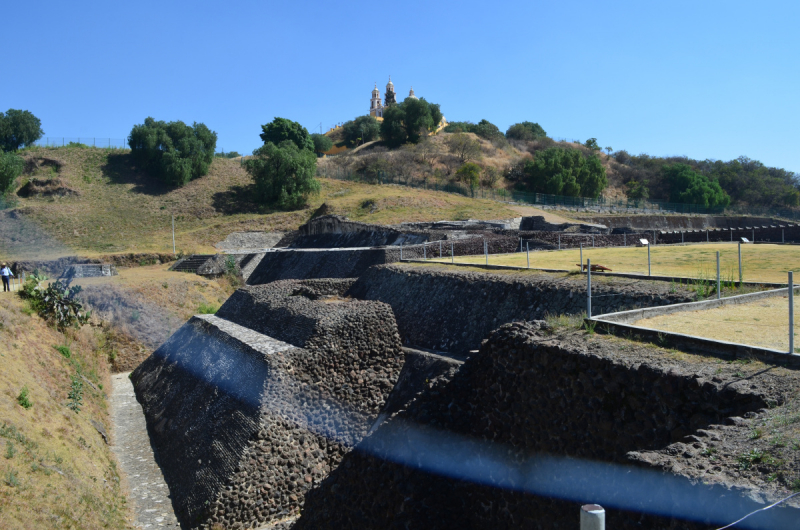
x=350, y=384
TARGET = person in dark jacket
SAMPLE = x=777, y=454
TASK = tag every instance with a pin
x=6, y=274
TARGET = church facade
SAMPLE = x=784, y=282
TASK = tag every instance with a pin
x=376, y=106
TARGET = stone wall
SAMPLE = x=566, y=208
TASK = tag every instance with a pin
x=760, y=233
x=677, y=222
x=468, y=454
x=250, y=408
x=308, y=264
x=333, y=231
x=453, y=311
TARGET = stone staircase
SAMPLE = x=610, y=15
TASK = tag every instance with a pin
x=191, y=263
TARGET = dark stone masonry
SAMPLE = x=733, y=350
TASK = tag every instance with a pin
x=244, y=423
x=454, y=310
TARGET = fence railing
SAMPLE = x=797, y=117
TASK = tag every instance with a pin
x=63, y=141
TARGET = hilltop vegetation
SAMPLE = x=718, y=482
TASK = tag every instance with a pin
x=98, y=201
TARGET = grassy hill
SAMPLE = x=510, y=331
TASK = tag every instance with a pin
x=56, y=470
x=96, y=201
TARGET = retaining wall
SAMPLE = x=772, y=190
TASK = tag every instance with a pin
x=677, y=222
x=243, y=423
x=468, y=453
x=454, y=311
x=309, y=264
x=762, y=233
x=333, y=231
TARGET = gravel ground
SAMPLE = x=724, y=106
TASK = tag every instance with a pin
x=147, y=491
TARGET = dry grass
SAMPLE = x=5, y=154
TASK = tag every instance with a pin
x=764, y=323
x=761, y=263
x=56, y=470
x=120, y=209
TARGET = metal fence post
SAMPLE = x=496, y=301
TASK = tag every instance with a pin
x=401, y=251
x=588, y=288
x=452, y=253
x=593, y=517
x=592, y=241
x=581, y=265
x=648, y=258
x=791, y=313
x=559, y=241
x=424, y=251
x=486, y=251
x=740, y=263
x=719, y=291
x=440, y=249
x=706, y=235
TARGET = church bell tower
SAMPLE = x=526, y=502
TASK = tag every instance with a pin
x=375, y=105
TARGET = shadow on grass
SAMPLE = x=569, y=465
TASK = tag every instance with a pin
x=237, y=199
x=121, y=169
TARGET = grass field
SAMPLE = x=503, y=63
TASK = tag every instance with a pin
x=763, y=323
x=115, y=207
x=760, y=263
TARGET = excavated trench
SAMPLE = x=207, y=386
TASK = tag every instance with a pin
x=254, y=413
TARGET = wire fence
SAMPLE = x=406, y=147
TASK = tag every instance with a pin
x=64, y=141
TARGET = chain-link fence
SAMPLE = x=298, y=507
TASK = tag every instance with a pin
x=63, y=141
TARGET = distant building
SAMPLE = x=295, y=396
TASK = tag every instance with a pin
x=376, y=107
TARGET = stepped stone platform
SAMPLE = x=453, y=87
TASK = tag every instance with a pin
x=249, y=409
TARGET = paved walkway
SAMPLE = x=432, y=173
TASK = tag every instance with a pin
x=148, y=493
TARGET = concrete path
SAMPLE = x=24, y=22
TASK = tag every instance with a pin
x=148, y=493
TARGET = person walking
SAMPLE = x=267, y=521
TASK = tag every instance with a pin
x=6, y=274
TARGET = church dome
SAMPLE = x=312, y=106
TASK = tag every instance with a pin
x=411, y=93
x=390, y=84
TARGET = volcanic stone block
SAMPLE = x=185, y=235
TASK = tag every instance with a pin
x=242, y=423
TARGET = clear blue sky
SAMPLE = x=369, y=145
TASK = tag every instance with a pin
x=707, y=79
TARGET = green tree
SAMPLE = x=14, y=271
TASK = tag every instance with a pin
x=484, y=129
x=562, y=171
x=366, y=128
x=393, y=130
x=463, y=146
x=436, y=115
x=11, y=166
x=525, y=130
x=469, y=174
x=592, y=144
x=636, y=190
x=321, y=142
x=174, y=152
x=689, y=187
x=283, y=174
x=409, y=121
x=18, y=128
x=281, y=129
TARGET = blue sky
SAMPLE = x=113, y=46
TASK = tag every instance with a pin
x=707, y=79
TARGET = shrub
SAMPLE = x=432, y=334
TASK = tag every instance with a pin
x=592, y=144
x=18, y=128
x=636, y=190
x=63, y=350
x=56, y=302
x=24, y=399
x=463, y=146
x=469, y=174
x=526, y=131
x=229, y=154
x=360, y=130
x=490, y=177
x=207, y=309
x=484, y=129
x=174, y=151
x=321, y=143
x=567, y=172
x=11, y=166
x=283, y=174
x=689, y=187
x=75, y=395
x=280, y=130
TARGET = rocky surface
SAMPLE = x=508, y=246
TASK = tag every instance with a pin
x=536, y=422
x=333, y=231
x=454, y=310
x=250, y=408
